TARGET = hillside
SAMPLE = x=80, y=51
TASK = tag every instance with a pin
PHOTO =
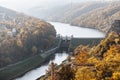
x=67, y=12
x=100, y=18
x=101, y=62
x=99, y=15
x=98, y=62
x=22, y=36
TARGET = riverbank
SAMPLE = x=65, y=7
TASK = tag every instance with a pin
x=12, y=71
x=57, y=67
x=79, y=32
x=100, y=62
x=38, y=71
x=18, y=69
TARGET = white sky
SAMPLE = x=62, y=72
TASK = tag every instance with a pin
x=22, y=5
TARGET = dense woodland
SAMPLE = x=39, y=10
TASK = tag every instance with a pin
x=97, y=14
x=22, y=36
x=101, y=62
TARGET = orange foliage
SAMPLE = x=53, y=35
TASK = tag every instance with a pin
x=82, y=57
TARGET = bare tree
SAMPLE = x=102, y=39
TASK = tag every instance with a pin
x=52, y=66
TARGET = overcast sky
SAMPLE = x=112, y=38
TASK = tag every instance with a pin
x=22, y=5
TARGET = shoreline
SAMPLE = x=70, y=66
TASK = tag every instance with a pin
x=71, y=24
x=16, y=70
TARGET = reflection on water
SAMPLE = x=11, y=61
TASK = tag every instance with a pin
x=36, y=73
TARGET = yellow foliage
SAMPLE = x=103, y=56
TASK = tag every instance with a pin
x=36, y=32
x=21, y=31
x=102, y=64
x=116, y=76
x=105, y=67
x=19, y=43
x=81, y=58
x=84, y=73
x=93, y=60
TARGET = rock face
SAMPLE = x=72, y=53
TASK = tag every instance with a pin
x=115, y=27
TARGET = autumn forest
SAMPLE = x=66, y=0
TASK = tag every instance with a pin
x=31, y=47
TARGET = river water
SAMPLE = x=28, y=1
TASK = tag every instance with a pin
x=64, y=30
x=36, y=73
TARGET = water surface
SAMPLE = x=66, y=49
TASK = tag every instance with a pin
x=36, y=73
x=68, y=30
x=64, y=30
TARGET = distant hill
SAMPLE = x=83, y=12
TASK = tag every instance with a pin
x=100, y=18
x=99, y=14
x=22, y=36
x=65, y=13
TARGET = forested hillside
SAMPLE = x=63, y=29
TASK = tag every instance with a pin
x=98, y=62
x=97, y=14
x=101, y=62
x=100, y=18
x=67, y=12
x=22, y=36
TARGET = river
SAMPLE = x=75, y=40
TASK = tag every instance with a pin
x=64, y=30
x=36, y=73
x=80, y=32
